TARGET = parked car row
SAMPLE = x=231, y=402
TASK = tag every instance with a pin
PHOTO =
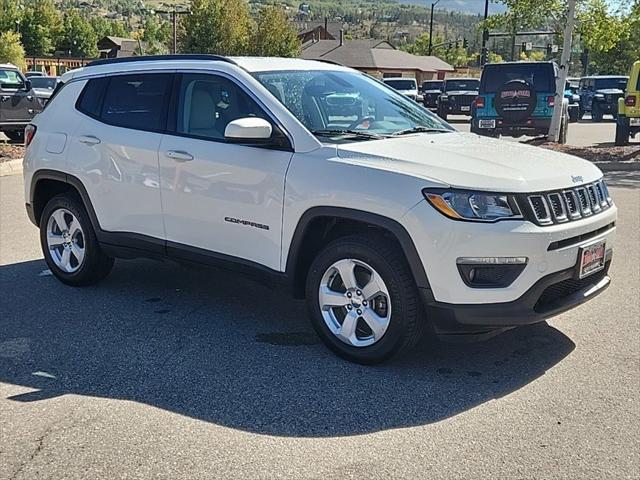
x=21, y=98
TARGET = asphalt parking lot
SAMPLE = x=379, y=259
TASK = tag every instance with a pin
x=165, y=372
x=584, y=133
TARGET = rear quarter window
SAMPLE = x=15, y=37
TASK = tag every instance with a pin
x=541, y=76
x=90, y=99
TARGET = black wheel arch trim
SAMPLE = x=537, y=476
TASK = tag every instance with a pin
x=343, y=213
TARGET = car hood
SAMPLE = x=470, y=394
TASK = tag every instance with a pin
x=469, y=161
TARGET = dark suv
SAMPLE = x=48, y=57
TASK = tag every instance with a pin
x=457, y=96
x=517, y=98
x=431, y=90
x=599, y=95
x=18, y=103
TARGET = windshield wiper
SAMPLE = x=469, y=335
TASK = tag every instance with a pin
x=407, y=131
x=353, y=133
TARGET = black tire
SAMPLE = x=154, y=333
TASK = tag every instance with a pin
x=622, y=134
x=580, y=113
x=95, y=265
x=574, y=115
x=596, y=112
x=15, y=136
x=406, y=323
x=564, y=127
x=442, y=112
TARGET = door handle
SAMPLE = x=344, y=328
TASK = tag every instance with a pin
x=179, y=155
x=89, y=140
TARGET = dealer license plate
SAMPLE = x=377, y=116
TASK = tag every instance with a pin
x=465, y=108
x=487, y=124
x=634, y=122
x=592, y=258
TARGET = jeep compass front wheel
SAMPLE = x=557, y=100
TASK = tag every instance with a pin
x=362, y=299
x=69, y=244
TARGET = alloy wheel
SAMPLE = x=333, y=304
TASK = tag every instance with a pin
x=65, y=240
x=354, y=302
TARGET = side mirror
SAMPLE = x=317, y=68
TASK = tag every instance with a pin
x=27, y=85
x=248, y=130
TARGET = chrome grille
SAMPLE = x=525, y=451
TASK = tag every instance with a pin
x=571, y=204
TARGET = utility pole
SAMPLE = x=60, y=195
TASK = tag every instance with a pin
x=554, y=129
x=484, y=53
x=433, y=4
x=174, y=20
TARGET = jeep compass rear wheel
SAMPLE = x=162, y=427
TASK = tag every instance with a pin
x=69, y=244
x=362, y=299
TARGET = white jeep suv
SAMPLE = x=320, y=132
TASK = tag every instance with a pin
x=383, y=216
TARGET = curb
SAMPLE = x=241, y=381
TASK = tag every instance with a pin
x=12, y=167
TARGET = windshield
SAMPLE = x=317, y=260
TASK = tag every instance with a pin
x=327, y=101
x=607, y=83
x=432, y=85
x=10, y=79
x=452, y=85
x=44, y=82
x=401, y=84
x=539, y=75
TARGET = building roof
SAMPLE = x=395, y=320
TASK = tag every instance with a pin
x=333, y=28
x=372, y=55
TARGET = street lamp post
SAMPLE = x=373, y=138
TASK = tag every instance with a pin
x=433, y=4
x=484, y=53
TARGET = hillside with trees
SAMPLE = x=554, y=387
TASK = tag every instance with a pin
x=264, y=27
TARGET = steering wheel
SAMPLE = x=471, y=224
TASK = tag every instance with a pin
x=360, y=121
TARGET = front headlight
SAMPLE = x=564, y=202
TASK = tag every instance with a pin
x=474, y=206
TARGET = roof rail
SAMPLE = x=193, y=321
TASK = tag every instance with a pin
x=325, y=60
x=151, y=58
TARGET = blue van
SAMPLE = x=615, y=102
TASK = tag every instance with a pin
x=516, y=99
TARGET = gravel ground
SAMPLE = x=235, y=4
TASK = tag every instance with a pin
x=167, y=373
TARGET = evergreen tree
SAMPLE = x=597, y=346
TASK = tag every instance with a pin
x=275, y=35
x=216, y=26
x=11, y=50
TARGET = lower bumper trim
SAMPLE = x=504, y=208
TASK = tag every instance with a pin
x=533, y=306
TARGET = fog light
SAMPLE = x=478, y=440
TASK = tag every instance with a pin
x=490, y=272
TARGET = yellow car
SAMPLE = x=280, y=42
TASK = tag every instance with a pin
x=628, y=122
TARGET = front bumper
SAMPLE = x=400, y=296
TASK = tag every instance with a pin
x=551, y=252
x=456, y=109
x=551, y=295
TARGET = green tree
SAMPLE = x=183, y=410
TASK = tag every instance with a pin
x=103, y=27
x=156, y=36
x=78, y=36
x=216, y=26
x=274, y=34
x=526, y=14
x=11, y=16
x=494, y=58
x=40, y=28
x=612, y=38
x=456, y=55
x=11, y=50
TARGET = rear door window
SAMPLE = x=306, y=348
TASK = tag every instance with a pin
x=137, y=101
x=540, y=76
